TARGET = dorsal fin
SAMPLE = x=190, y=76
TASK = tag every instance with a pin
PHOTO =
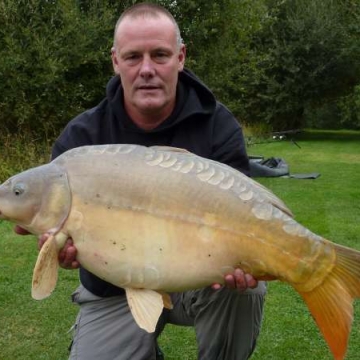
x=169, y=148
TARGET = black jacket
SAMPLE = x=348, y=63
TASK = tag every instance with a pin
x=198, y=123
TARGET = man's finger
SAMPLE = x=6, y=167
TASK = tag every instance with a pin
x=67, y=256
x=251, y=281
x=42, y=240
x=20, y=231
x=216, y=286
x=240, y=280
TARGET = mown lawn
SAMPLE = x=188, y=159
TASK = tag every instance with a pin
x=329, y=206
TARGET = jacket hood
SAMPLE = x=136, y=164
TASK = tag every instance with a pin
x=194, y=100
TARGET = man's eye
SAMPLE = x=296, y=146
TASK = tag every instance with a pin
x=161, y=56
x=132, y=57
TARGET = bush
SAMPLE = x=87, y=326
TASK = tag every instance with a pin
x=309, y=54
x=349, y=108
x=267, y=60
x=20, y=152
x=54, y=57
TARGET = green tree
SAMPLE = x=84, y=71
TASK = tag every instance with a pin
x=308, y=57
x=219, y=36
x=54, y=57
x=269, y=61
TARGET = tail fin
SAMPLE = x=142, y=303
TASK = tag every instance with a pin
x=331, y=303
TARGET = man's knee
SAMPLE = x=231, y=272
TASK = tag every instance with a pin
x=105, y=329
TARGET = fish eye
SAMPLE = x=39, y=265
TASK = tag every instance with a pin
x=18, y=189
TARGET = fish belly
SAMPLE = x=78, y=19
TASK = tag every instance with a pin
x=140, y=249
x=135, y=249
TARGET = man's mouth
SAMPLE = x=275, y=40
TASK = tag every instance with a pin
x=148, y=87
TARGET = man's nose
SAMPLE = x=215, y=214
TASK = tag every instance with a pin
x=147, y=69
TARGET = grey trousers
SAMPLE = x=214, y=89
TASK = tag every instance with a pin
x=227, y=324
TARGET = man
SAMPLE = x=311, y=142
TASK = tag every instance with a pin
x=153, y=100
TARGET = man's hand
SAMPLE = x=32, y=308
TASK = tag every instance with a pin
x=238, y=280
x=67, y=255
x=20, y=231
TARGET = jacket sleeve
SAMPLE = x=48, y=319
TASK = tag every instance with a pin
x=228, y=142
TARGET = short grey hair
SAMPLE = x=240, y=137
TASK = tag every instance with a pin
x=149, y=10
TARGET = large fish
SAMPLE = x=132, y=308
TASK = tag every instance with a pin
x=158, y=220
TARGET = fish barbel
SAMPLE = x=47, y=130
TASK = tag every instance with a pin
x=158, y=220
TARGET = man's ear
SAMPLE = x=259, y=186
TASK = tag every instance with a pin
x=181, y=57
x=114, y=60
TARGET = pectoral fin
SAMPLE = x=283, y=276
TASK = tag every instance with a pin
x=166, y=300
x=146, y=307
x=46, y=270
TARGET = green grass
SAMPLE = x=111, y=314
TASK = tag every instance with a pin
x=329, y=206
x=20, y=152
x=31, y=329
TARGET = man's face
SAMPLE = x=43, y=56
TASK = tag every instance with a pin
x=148, y=60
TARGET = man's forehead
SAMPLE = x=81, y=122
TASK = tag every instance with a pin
x=143, y=23
x=135, y=33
